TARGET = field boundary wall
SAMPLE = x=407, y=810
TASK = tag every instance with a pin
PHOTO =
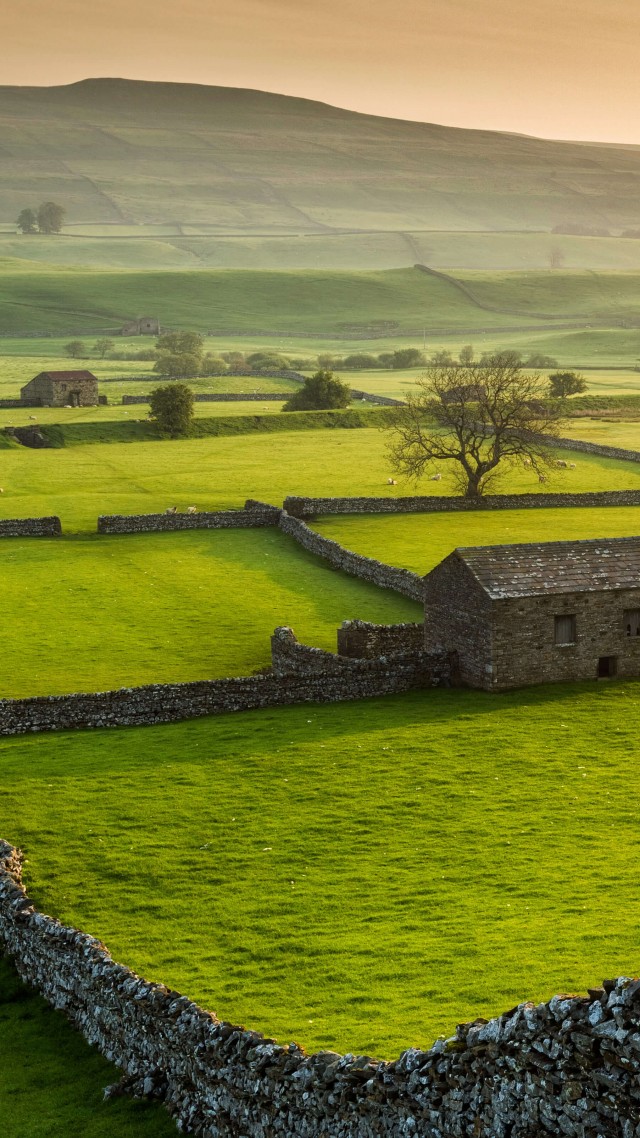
x=368, y=568
x=303, y=507
x=569, y=1066
x=30, y=527
x=256, y=516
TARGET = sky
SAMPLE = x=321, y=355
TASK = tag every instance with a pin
x=554, y=68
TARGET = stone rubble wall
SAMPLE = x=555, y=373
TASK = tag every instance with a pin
x=203, y=519
x=567, y=1067
x=167, y=703
x=385, y=576
x=365, y=641
x=30, y=527
x=597, y=448
x=290, y=657
x=302, y=507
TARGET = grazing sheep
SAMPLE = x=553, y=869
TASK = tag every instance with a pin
x=32, y=416
x=562, y=464
x=542, y=478
x=192, y=509
x=572, y=466
x=391, y=482
x=526, y=462
x=1, y=490
x=435, y=478
x=171, y=510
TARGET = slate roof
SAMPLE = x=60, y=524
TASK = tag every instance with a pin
x=67, y=375
x=541, y=568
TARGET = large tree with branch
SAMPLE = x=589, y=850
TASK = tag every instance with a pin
x=481, y=418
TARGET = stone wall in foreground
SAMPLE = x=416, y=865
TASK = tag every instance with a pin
x=166, y=703
x=302, y=507
x=567, y=1067
x=30, y=527
x=385, y=576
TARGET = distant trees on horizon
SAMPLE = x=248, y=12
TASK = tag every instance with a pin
x=48, y=218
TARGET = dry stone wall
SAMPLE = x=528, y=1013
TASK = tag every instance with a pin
x=166, y=703
x=302, y=507
x=597, y=448
x=567, y=1067
x=290, y=657
x=160, y=523
x=366, y=641
x=30, y=527
x=385, y=576
x=221, y=397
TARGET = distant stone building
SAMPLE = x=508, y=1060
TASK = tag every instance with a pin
x=144, y=326
x=539, y=613
x=60, y=389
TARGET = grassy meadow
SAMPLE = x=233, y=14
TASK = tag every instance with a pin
x=154, y=608
x=82, y=481
x=358, y=876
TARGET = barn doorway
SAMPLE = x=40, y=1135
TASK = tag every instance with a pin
x=607, y=667
x=74, y=398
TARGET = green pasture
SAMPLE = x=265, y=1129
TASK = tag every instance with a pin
x=51, y=1082
x=168, y=247
x=612, y=433
x=359, y=876
x=80, y=482
x=93, y=613
x=420, y=541
x=117, y=413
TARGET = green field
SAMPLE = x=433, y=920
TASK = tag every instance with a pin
x=358, y=876
x=80, y=482
x=51, y=1082
x=153, y=608
x=420, y=541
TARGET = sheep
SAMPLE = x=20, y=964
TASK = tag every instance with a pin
x=562, y=464
x=391, y=482
x=526, y=462
x=192, y=509
x=542, y=478
x=572, y=466
x=435, y=478
x=32, y=416
x=171, y=510
x=1, y=490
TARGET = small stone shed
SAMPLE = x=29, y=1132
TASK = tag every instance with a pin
x=61, y=388
x=537, y=613
x=142, y=326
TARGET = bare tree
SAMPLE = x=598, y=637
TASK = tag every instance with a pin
x=482, y=419
x=556, y=257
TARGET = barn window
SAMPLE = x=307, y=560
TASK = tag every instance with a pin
x=632, y=622
x=565, y=629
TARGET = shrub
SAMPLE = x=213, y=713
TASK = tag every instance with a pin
x=321, y=392
x=172, y=408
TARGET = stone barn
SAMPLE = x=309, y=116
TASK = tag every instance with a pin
x=540, y=613
x=60, y=389
x=143, y=326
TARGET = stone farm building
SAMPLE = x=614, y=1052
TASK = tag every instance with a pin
x=61, y=389
x=540, y=613
x=143, y=326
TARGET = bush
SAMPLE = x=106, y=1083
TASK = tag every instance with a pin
x=361, y=360
x=172, y=408
x=180, y=365
x=321, y=392
x=537, y=359
x=213, y=365
x=408, y=357
x=268, y=361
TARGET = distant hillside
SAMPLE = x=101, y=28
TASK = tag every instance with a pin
x=123, y=153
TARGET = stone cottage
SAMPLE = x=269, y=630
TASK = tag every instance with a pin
x=540, y=613
x=60, y=389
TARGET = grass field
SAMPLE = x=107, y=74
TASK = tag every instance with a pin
x=420, y=541
x=51, y=1081
x=146, y=608
x=80, y=482
x=358, y=876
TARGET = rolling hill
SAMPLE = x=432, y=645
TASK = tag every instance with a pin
x=187, y=161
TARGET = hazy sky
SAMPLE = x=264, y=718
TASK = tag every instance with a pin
x=560, y=68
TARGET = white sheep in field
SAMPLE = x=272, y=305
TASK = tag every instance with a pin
x=562, y=464
x=542, y=478
x=171, y=510
x=435, y=478
x=192, y=509
x=526, y=462
x=572, y=466
x=391, y=482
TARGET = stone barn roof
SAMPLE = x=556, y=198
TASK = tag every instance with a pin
x=541, y=568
